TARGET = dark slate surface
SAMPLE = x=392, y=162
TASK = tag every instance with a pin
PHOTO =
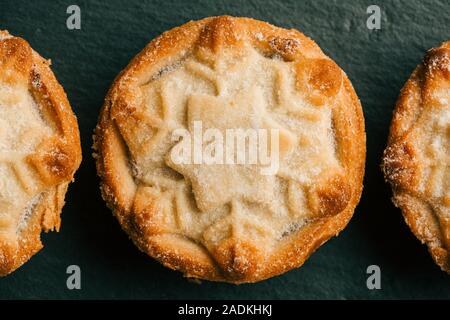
x=86, y=61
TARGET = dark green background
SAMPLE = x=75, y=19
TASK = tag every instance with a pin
x=86, y=61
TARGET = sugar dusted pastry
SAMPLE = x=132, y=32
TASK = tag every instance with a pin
x=417, y=159
x=39, y=151
x=217, y=219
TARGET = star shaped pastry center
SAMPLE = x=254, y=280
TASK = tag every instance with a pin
x=216, y=184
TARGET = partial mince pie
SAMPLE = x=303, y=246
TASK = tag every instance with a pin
x=39, y=151
x=417, y=159
x=232, y=220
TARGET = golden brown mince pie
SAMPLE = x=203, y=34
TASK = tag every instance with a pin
x=417, y=159
x=39, y=150
x=224, y=215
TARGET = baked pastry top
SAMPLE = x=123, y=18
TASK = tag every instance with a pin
x=219, y=221
x=39, y=150
x=417, y=159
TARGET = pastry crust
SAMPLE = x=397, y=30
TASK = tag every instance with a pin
x=417, y=159
x=39, y=151
x=205, y=227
